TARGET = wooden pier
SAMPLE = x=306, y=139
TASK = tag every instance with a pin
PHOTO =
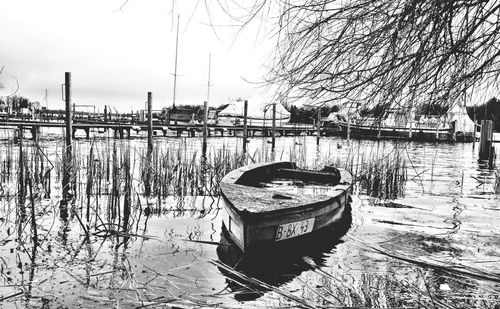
x=124, y=129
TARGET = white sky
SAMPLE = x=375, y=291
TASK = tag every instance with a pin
x=116, y=57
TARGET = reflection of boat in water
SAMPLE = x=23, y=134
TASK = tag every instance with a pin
x=269, y=204
x=277, y=265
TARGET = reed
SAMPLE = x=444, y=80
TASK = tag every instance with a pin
x=383, y=176
x=109, y=200
x=106, y=176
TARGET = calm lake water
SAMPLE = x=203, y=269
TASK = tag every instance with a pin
x=423, y=231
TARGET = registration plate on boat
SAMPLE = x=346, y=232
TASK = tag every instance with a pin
x=294, y=229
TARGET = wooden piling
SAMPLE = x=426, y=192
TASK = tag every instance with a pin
x=149, y=154
x=273, y=139
x=474, y=134
x=318, y=127
x=485, y=139
x=245, y=128
x=411, y=128
x=205, y=129
x=150, y=121
x=35, y=133
x=69, y=135
x=69, y=118
x=348, y=126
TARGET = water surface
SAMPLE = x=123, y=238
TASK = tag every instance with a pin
x=422, y=231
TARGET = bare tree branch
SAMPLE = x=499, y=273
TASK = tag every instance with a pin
x=389, y=52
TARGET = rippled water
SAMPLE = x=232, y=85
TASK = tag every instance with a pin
x=433, y=242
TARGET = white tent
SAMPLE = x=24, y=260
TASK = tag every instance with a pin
x=458, y=117
x=259, y=113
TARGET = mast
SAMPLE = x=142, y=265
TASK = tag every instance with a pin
x=46, y=99
x=175, y=67
x=208, y=84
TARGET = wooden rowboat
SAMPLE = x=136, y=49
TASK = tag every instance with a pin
x=274, y=203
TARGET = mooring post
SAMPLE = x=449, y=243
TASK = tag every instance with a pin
x=245, y=128
x=205, y=129
x=35, y=132
x=69, y=134
x=485, y=139
x=20, y=134
x=149, y=154
x=411, y=127
x=348, y=126
x=150, y=122
x=273, y=139
x=69, y=117
x=379, y=130
x=474, y=134
x=318, y=127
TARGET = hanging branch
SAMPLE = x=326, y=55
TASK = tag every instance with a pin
x=394, y=53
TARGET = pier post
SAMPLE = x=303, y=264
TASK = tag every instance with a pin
x=474, y=134
x=348, y=126
x=273, y=139
x=35, y=132
x=318, y=127
x=245, y=128
x=149, y=154
x=105, y=113
x=69, y=118
x=411, y=128
x=68, y=159
x=205, y=133
x=486, y=139
x=379, y=129
x=150, y=122
x=18, y=135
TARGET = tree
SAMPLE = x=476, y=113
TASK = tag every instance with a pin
x=307, y=114
x=384, y=52
x=489, y=111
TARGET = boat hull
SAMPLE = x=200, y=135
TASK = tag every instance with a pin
x=253, y=230
x=404, y=133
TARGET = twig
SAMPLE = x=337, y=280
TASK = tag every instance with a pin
x=11, y=296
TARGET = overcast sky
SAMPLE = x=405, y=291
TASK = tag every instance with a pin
x=117, y=56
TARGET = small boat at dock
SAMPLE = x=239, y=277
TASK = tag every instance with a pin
x=270, y=204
